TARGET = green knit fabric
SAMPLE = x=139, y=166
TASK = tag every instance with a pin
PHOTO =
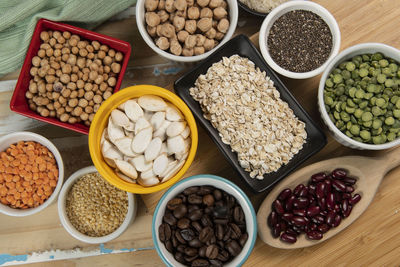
x=18, y=19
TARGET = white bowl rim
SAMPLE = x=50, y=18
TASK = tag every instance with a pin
x=379, y=47
x=149, y=41
x=199, y=177
x=317, y=9
x=30, y=136
x=131, y=213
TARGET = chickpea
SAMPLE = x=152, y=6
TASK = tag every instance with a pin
x=215, y=3
x=181, y=13
x=49, y=87
x=193, y=12
x=191, y=41
x=219, y=36
x=208, y=44
x=105, y=77
x=223, y=25
x=119, y=56
x=204, y=24
x=41, y=53
x=101, y=54
x=88, y=87
x=84, y=116
x=179, y=23
x=106, y=69
x=158, y=30
x=66, y=34
x=72, y=120
x=99, y=79
x=96, y=45
x=74, y=77
x=187, y=52
x=152, y=19
x=176, y=48
x=96, y=107
x=45, y=46
x=33, y=71
x=45, y=112
x=91, y=116
x=103, y=86
x=64, y=117
x=190, y=3
x=36, y=61
x=75, y=50
x=33, y=88
x=28, y=95
x=220, y=13
x=42, y=88
x=97, y=99
x=115, y=67
x=203, y=3
x=104, y=48
x=73, y=94
x=61, y=40
x=55, y=95
x=90, y=48
x=106, y=94
x=167, y=30
x=151, y=31
x=77, y=111
x=112, y=81
x=89, y=95
x=182, y=35
x=163, y=16
x=81, y=62
x=52, y=42
x=83, y=52
x=73, y=102
x=90, y=55
x=81, y=44
x=198, y=50
x=210, y=34
x=89, y=109
x=206, y=13
x=169, y=6
x=65, y=78
x=71, y=60
x=66, y=93
x=50, y=78
x=107, y=60
x=93, y=75
x=190, y=26
x=71, y=86
x=161, y=5
x=75, y=69
x=50, y=106
x=44, y=36
x=80, y=84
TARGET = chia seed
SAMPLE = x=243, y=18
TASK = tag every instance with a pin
x=300, y=41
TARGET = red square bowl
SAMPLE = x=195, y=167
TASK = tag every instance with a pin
x=19, y=103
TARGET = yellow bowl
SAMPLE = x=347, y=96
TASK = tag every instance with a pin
x=101, y=119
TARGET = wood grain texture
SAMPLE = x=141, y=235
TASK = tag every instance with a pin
x=372, y=240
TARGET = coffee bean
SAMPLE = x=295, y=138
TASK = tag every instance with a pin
x=227, y=234
x=190, y=251
x=221, y=212
x=202, y=251
x=230, y=201
x=238, y=214
x=180, y=238
x=217, y=194
x=204, y=190
x=190, y=190
x=220, y=231
x=169, y=246
x=206, y=234
x=192, y=208
x=173, y=203
x=233, y=248
x=223, y=255
x=243, y=239
x=183, y=223
x=187, y=234
x=221, y=221
x=195, y=215
x=212, y=240
x=208, y=210
x=190, y=258
x=212, y=252
x=216, y=263
x=174, y=240
x=206, y=221
x=181, y=248
x=221, y=243
x=236, y=232
x=195, y=243
x=164, y=232
x=179, y=257
x=170, y=219
x=197, y=226
x=180, y=211
x=200, y=263
x=208, y=200
x=195, y=199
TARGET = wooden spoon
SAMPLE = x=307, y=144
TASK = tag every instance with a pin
x=369, y=173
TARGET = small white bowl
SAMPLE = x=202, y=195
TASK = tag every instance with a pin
x=5, y=142
x=220, y=183
x=140, y=21
x=298, y=5
x=131, y=213
x=365, y=48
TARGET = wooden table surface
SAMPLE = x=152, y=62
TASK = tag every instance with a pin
x=373, y=240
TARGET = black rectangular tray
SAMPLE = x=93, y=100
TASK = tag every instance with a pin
x=242, y=46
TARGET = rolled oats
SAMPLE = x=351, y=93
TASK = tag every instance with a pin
x=242, y=103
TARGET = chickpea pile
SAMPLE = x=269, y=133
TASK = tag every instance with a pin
x=186, y=27
x=71, y=77
x=28, y=175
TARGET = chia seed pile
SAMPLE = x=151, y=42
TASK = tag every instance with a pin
x=300, y=41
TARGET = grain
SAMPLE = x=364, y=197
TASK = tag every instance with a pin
x=95, y=207
x=263, y=6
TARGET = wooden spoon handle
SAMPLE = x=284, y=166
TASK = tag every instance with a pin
x=390, y=159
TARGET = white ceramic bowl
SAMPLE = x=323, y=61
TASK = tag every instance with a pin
x=5, y=142
x=220, y=183
x=343, y=56
x=140, y=21
x=131, y=213
x=298, y=5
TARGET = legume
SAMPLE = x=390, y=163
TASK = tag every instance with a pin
x=361, y=97
x=95, y=207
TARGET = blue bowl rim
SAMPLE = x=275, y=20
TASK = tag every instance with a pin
x=240, y=191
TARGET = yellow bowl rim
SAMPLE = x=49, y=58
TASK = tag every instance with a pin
x=99, y=122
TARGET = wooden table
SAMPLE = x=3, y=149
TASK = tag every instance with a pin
x=374, y=239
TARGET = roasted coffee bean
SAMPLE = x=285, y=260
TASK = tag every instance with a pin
x=190, y=258
x=180, y=238
x=216, y=263
x=191, y=190
x=197, y=226
x=192, y=208
x=212, y=252
x=164, y=232
x=169, y=246
x=180, y=211
x=175, y=242
x=183, y=223
x=223, y=255
x=200, y=263
x=221, y=221
x=173, y=203
x=236, y=232
x=243, y=239
x=219, y=203
x=213, y=240
x=187, y=234
x=191, y=251
x=206, y=234
x=217, y=194
x=195, y=243
x=219, y=231
x=208, y=200
x=206, y=221
x=182, y=196
x=221, y=212
x=181, y=248
x=179, y=257
x=205, y=190
x=170, y=219
x=227, y=234
x=202, y=251
x=195, y=199
x=238, y=214
x=230, y=201
x=195, y=215
x=233, y=248
x=208, y=210
x=284, y=194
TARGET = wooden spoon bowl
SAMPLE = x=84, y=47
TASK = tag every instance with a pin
x=368, y=172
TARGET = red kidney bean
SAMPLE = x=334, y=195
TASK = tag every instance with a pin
x=348, y=211
x=311, y=189
x=289, y=238
x=344, y=206
x=324, y=213
x=272, y=218
x=330, y=217
x=320, y=190
x=354, y=200
x=318, y=177
x=276, y=232
x=299, y=221
x=328, y=186
x=284, y=194
x=300, y=203
x=304, y=192
x=314, y=235
x=297, y=189
x=301, y=212
x=323, y=228
x=322, y=203
x=338, y=196
x=287, y=216
x=277, y=204
x=349, y=189
x=313, y=226
x=339, y=185
x=313, y=210
x=297, y=229
x=290, y=231
x=289, y=203
x=318, y=219
x=349, y=181
x=346, y=195
x=339, y=174
x=330, y=201
x=337, y=220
